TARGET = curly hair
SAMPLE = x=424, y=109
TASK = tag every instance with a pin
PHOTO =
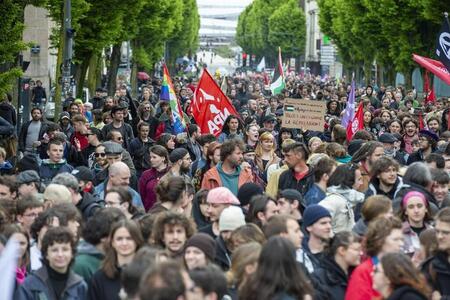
x=171, y=219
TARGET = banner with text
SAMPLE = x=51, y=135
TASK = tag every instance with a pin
x=304, y=114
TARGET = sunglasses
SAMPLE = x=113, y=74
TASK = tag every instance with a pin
x=100, y=154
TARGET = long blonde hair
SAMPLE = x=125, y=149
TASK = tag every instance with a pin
x=263, y=137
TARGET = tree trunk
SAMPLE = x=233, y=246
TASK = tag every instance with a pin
x=408, y=79
x=367, y=72
x=113, y=67
x=99, y=71
x=92, y=75
x=83, y=70
x=133, y=76
x=58, y=87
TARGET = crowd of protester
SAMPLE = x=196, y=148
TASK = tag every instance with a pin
x=107, y=202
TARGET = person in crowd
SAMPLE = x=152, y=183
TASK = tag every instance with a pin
x=318, y=229
x=395, y=277
x=343, y=254
x=389, y=141
x=92, y=247
x=277, y=274
x=29, y=183
x=417, y=178
x=410, y=127
x=55, y=279
x=55, y=164
x=232, y=128
x=171, y=232
x=212, y=159
x=204, y=141
x=120, y=197
x=124, y=240
x=172, y=195
x=261, y=209
x=159, y=160
x=372, y=208
x=265, y=153
x=139, y=149
x=299, y=176
x=416, y=217
x=117, y=114
x=21, y=236
x=440, y=191
x=32, y=132
x=27, y=210
x=290, y=202
x=210, y=282
x=228, y=172
x=251, y=135
x=384, y=178
x=343, y=196
x=119, y=175
x=428, y=141
x=366, y=156
x=243, y=263
x=322, y=170
x=231, y=218
x=180, y=165
x=199, y=251
x=436, y=267
x=383, y=236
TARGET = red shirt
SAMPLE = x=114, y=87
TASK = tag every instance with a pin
x=83, y=140
x=360, y=283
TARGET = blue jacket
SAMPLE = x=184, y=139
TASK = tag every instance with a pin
x=36, y=287
x=100, y=191
x=314, y=195
x=49, y=169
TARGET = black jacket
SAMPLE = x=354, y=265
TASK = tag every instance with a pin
x=406, y=292
x=330, y=279
x=97, y=102
x=223, y=256
x=140, y=154
x=8, y=112
x=437, y=271
x=102, y=287
x=288, y=181
x=88, y=205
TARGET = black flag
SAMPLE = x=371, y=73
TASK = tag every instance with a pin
x=443, y=43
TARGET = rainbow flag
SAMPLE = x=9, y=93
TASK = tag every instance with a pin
x=168, y=94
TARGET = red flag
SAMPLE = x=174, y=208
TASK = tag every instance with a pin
x=434, y=66
x=210, y=107
x=357, y=123
x=429, y=93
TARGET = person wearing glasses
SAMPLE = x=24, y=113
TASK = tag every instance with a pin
x=94, y=136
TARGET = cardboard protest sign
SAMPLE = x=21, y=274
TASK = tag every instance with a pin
x=304, y=114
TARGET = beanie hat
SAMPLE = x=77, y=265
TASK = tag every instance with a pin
x=247, y=191
x=411, y=194
x=28, y=176
x=222, y=195
x=354, y=146
x=177, y=154
x=205, y=243
x=430, y=135
x=64, y=115
x=231, y=218
x=314, y=213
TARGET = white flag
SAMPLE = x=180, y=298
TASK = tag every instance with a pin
x=8, y=265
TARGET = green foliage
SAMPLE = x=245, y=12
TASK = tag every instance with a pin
x=11, y=28
x=185, y=37
x=287, y=29
x=267, y=24
x=386, y=30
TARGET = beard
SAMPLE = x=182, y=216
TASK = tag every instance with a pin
x=184, y=169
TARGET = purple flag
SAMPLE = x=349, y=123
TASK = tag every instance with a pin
x=349, y=112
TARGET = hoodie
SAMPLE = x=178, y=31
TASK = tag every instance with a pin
x=340, y=202
x=87, y=261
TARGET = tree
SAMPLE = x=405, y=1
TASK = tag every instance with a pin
x=287, y=29
x=11, y=43
x=185, y=37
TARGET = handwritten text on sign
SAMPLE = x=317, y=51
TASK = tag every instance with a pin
x=304, y=114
